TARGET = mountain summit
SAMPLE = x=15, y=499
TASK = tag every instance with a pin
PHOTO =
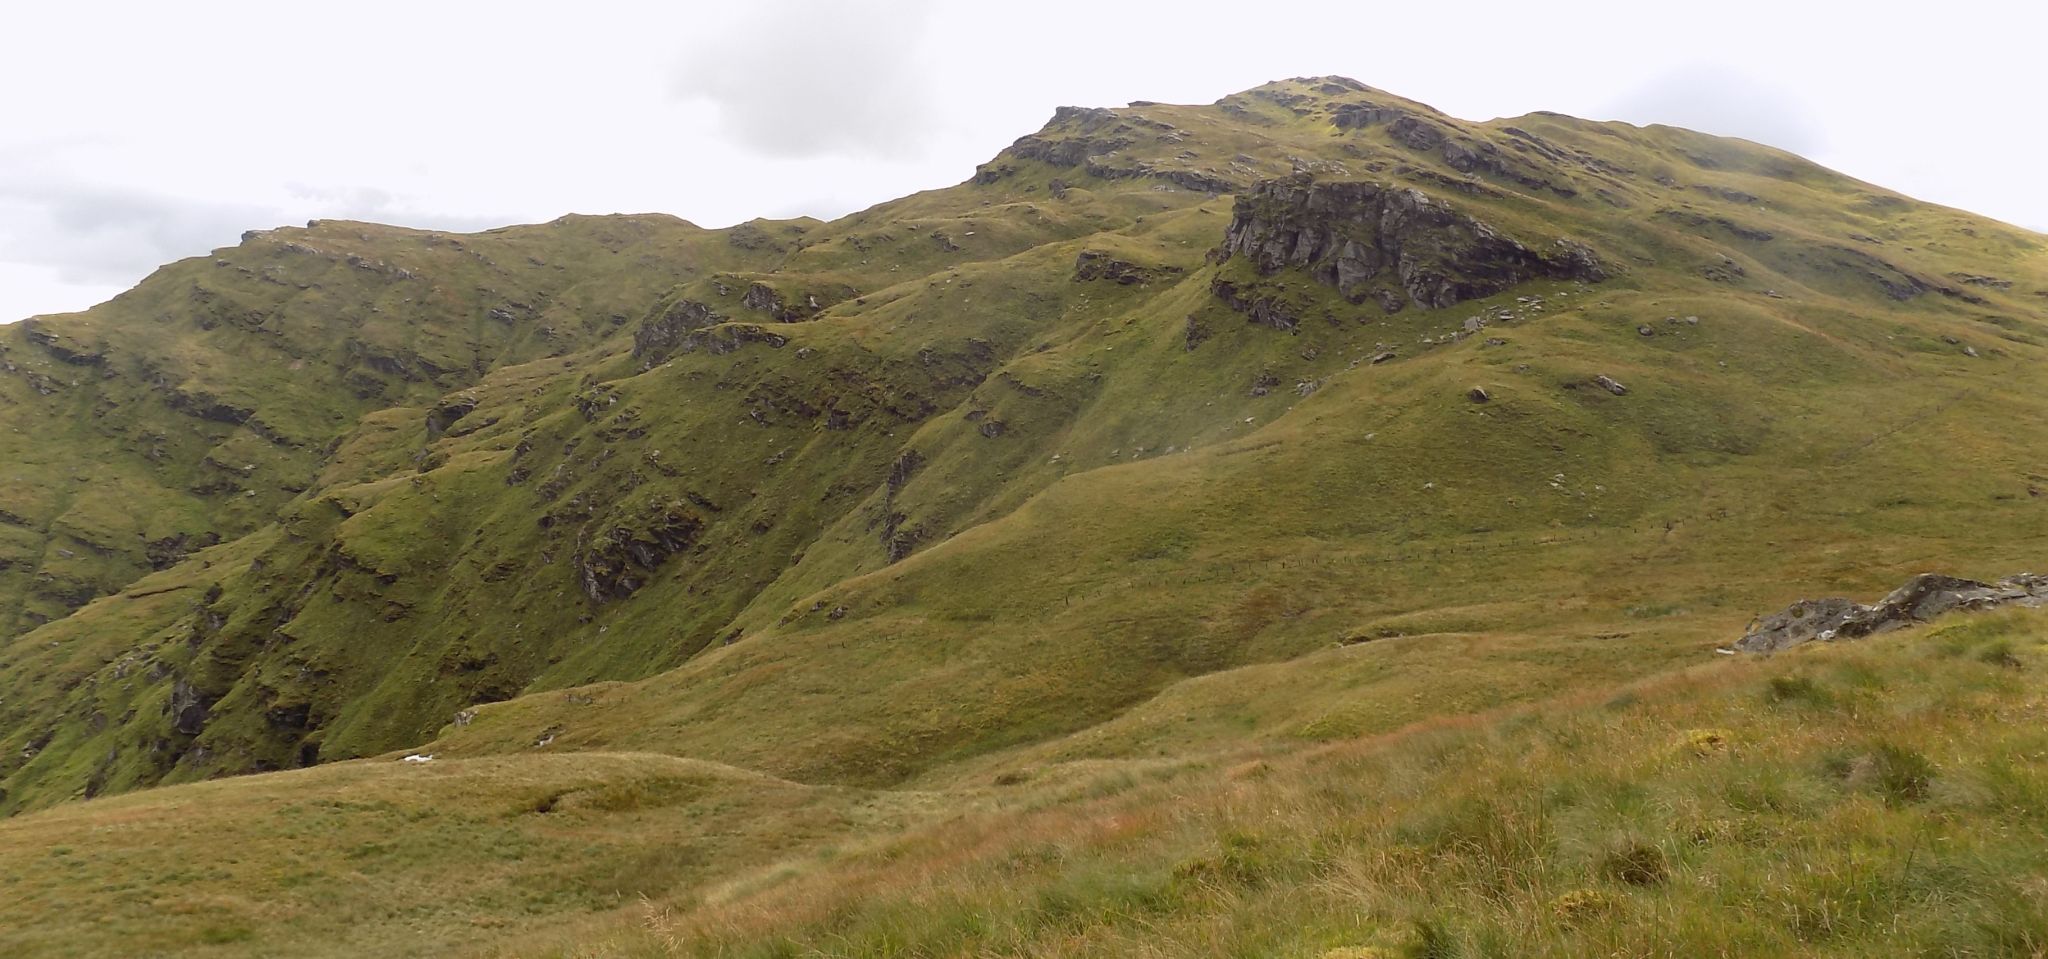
x=1174, y=431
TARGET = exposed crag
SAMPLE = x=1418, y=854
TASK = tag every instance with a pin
x=1366, y=238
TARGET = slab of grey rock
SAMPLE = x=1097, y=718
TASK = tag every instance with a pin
x=1922, y=598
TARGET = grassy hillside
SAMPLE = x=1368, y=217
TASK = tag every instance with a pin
x=1883, y=797
x=1176, y=435
x=186, y=411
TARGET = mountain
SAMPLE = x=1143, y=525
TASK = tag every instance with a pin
x=1176, y=435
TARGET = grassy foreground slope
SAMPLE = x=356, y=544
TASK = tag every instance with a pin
x=1878, y=798
x=395, y=859
x=1886, y=797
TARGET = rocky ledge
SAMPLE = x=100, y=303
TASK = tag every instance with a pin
x=1096, y=265
x=1372, y=239
x=1922, y=598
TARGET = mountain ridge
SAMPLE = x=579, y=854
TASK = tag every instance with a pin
x=608, y=448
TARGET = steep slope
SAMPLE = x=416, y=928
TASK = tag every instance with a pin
x=1302, y=415
x=185, y=412
x=1462, y=552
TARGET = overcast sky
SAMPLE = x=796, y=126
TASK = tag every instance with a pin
x=133, y=134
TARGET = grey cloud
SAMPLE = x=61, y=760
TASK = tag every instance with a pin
x=99, y=235
x=102, y=235
x=377, y=205
x=1721, y=101
x=799, y=79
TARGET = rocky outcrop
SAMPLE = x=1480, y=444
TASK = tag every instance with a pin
x=208, y=407
x=661, y=334
x=1922, y=598
x=1263, y=306
x=165, y=552
x=1074, y=135
x=1416, y=133
x=64, y=350
x=617, y=561
x=725, y=338
x=1475, y=156
x=1352, y=116
x=188, y=708
x=445, y=413
x=899, y=539
x=1365, y=237
x=761, y=296
x=1200, y=181
x=1097, y=265
x=750, y=236
x=1092, y=131
x=1463, y=153
x=1895, y=282
x=1092, y=139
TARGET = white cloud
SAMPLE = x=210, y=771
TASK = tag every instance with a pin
x=40, y=289
x=96, y=235
x=797, y=79
x=1724, y=101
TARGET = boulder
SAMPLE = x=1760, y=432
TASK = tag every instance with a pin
x=1922, y=598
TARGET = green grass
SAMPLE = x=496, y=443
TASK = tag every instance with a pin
x=393, y=858
x=1706, y=815
x=1889, y=806
x=1196, y=528
x=980, y=536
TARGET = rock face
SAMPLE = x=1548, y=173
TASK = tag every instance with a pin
x=1352, y=116
x=1922, y=598
x=660, y=335
x=445, y=413
x=1259, y=306
x=189, y=709
x=619, y=560
x=1094, y=140
x=1362, y=237
x=1092, y=131
x=728, y=337
x=761, y=296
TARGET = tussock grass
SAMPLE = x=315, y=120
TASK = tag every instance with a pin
x=1900, y=815
x=388, y=858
